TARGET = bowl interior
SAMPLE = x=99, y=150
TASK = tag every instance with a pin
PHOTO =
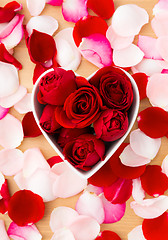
x=111, y=147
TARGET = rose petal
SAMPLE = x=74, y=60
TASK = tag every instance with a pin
x=136, y=233
x=141, y=80
x=54, y=2
x=53, y=160
x=9, y=79
x=3, y=232
x=30, y=127
x=159, y=24
x=102, y=9
x=138, y=193
x=127, y=57
x=63, y=234
x=13, y=6
x=44, y=23
x=24, y=105
x=162, y=47
x=11, y=132
x=165, y=165
x=150, y=208
x=90, y=205
x=91, y=50
x=106, y=234
x=35, y=8
x=68, y=55
x=73, y=10
x=4, y=194
x=93, y=189
x=3, y=112
x=153, y=121
x=8, y=27
x=128, y=19
x=162, y=5
x=28, y=232
x=20, y=180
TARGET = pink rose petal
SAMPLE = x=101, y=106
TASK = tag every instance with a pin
x=44, y=23
x=93, y=189
x=3, y=232
x=11, y=161
x=136, y=233
x=3, y=112
x=9, y=80
x=162, y=47
x=20, y=180
x=63, y=234
x=138, y=193
x=143, y=145
x=62, y=217
x=11, y=132
x=128, y=19
x=35, y=7
x=127, y=57
x=7, y=28
x=148, y=46
x=73, y=10
x=54, y=2
x=129, y=158
x=28, y=232
x=90, y=205
x=11, y=100
x=162, y=5
x=68, y=55
x=150, y=208
x=97, y=50
x=160, y=24
x=24, y=105
x=165, y=165
x=118, y=42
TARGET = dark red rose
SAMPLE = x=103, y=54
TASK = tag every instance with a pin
x=47, y=120
x=84, y=152
x=114, y=86
x=56, y=86
x=68, y=134
x=111, y=125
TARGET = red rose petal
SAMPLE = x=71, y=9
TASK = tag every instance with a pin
x=53, y=160
x=153, y=121
x=121, y=170
x=30, y=127
x=87, y=26
x=104, y=9
x=108, y=235
x=141, y=80
x=157, y=228
x=4, y=193
x=153, y=181
x=13, y=6
x=104, y=177
x=25, y=207
x=6, y=15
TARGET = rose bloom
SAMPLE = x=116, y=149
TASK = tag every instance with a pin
x=114, y=86
x=111, y=125
x=84, y=151
x=56, y=86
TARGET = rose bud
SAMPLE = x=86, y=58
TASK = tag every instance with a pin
x=47, y=120
x=84, y=151
x=114, y=86
x=56, y=86
x=111, y=125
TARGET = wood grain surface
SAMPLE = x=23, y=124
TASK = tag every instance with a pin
x=130, y=220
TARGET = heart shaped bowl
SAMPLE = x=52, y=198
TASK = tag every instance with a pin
x=111, y=147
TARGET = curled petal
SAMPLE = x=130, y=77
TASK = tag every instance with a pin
x=102, y=9
x=63, y=234
x=3, y=232
x=136, y=233
x=3, y=112
x=165, y=165
x=138, y=193
x=97, y=50
x=30, y=127
x=24, y=105
x=35, y=7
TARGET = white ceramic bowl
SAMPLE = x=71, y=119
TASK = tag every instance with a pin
x=132, y=114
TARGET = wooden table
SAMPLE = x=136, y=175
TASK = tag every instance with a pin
x=130, y=220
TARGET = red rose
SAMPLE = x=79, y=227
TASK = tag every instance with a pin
x=111, y=125
x=84, y=152
x=56, y=86
x=47, y=120
x=114, y=86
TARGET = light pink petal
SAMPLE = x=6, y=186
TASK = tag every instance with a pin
x=63, y=234
x=117, y=42
x=157, y=90
x=11, y=132
x=67, y=183
x=113, y=212
x=150, y=66
x=44, y=23
x=68, y=55
x=54, y=2
x=127, y=57
x=136, y=233
x=2, y=181
x=29, y=232
x=11, y=100
x=148, y=46
x=143, y=145
x=3, y=112
x=33, y=160
x=24, y=105
x=97, y=50
x=162, y=47
x=138, y=193
x=150, y=208
x=11, y=161
x=129, y=158
x=85, y=227
x=161, y=6
x=35, y=7
x=3, y=232
x=73, y=10
x=165, y=165
x=91, y=205
x=7, y=28
x=128, y=19
x=93, y=189
x=9, y=80
x=160, y=24
x=20, y=180
x=62, y=217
